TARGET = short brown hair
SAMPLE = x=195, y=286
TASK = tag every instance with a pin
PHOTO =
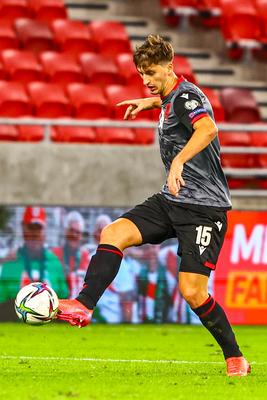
x=154, y=50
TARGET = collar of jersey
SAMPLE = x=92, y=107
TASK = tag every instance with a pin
x=180, y=80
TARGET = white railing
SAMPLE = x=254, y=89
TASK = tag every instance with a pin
x=238, y=172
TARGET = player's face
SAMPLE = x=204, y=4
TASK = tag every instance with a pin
x=156, y=76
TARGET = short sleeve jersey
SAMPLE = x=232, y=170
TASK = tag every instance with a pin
x=205, y=182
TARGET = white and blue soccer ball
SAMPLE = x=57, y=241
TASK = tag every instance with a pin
x=36, y=304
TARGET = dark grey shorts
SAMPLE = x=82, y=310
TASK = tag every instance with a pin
x=200, y=230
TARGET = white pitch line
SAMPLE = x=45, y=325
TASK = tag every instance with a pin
x=112, y=360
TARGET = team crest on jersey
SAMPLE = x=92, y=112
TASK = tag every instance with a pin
x=191, y=105
x=164, y=115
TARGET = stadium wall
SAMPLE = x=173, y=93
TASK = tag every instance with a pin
x=70, y=174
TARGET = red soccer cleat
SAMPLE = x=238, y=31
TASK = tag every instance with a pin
x=74, y=312
x=237, y=366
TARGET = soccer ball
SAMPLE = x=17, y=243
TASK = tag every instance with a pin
x=36, y=304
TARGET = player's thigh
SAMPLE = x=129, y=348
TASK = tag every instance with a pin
x=121, y=233
x=200, y=240
x=152, y=220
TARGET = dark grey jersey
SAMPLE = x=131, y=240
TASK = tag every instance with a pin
x=205, y=182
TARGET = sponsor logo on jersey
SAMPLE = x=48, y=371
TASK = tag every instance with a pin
x=196, y=112
x=191, y=105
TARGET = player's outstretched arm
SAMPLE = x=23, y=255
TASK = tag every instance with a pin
x=137, y=105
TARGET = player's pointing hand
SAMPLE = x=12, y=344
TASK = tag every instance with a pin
x=137, y=105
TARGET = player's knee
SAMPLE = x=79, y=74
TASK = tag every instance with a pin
x=193, y=295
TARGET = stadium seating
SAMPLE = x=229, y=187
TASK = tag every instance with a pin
x=8, y=132
x=12, y=9
x=174, y=10
x=209, y=13
x=118, y=93
x=21, y=65
x=259, y=139
x=182, y=66
x=30, y=133
x=99, y=68
x=61, y=68
x=88, y=101
x=240, y=26
x=115, y=135
x=236, y=160
x=214, y=99
x=48, y=10
x=8, y=37
x=144, y=136
x=127, y=69
x=72, y=36
x=49, y=100
x=239, y=105
x=110, y=36
x=3, y=74
x=71, y=134
x=14, y=101
x=34, y=35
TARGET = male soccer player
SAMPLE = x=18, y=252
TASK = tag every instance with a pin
x=191, y=206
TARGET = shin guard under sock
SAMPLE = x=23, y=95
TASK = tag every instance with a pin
x=103, y=268
x=215, y=320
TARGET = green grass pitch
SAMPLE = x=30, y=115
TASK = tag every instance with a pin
x=57, y=361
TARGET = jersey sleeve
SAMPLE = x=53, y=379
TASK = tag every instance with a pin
x=189, y=108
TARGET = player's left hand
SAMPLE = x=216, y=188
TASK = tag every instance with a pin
x=175, y=180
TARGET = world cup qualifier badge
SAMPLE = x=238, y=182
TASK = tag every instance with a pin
x=191, y=105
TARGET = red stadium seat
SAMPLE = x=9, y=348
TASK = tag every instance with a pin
x=240, y=25
x=30, y=133
x=61, y=67
x=173, y=10
x=49, y=100
x=8, y=37
x=8, y=132
x=235, y=138
x=259, y=139
x=71, y=134
x=217, y=107
x=144, y=136
x=48, y=10
x=115, y=135
x=209, y=13
x=118, y=93
x=239, y=105
x=72, y=36
x=14, y=101
x=99, y=69
x=88, y=101
x=182, y=66
x=236, y=160
x=2, y=72
x=34, y=35
x=261, y=7
x=128, y=70
x=21, y=65
x=111, y=37
x=12, y=9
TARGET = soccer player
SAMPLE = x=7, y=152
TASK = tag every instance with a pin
x=191, y=206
